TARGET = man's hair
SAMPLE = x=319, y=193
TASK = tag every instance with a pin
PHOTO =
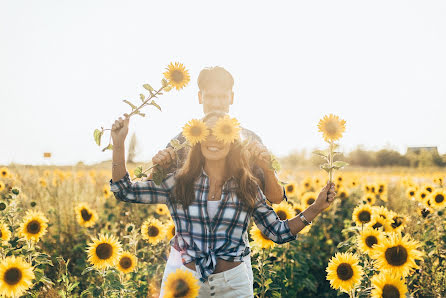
x=215, y=75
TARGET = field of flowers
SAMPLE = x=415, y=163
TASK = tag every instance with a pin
x=63, y=234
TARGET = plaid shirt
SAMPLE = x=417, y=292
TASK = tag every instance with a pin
x=200, y=238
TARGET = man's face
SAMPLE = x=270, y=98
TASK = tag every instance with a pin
x=215, y=99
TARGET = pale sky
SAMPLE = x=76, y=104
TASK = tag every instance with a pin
x=66, y=66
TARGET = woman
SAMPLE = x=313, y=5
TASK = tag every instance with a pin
x=212, y=247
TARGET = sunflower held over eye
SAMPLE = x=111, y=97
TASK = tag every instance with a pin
x=153, y=231
x=284, y=210
x=5, y=233
x=368, y=238
x=227, y=129
x=397, y=254
x=195, y=131
x=438, y=199
x=16, y=276
x=362, y=214
x=388, y=285
x=332, y=127
x=33, y=226
x=127, y=262
x=177, y=75
x=291, y=189
x=308, y=198
x=170, y=230
x=181, y=283
x=261, y=239
x=86, y=217
x=343, y=271
x=161, y=209
x=104, y=252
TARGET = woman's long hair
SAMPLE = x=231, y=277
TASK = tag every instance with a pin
x=237, y=165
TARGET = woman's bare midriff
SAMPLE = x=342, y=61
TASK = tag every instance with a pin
x=222, y=265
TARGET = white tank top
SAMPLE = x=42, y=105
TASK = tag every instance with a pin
x=212, y=208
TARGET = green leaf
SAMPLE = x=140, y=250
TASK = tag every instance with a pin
x=142, y=97
x=339, y=164
x=148, y=87
x=275, y=165
x=326, y=167
x=109, y=147
x=153, y=103
x=323, y=153
x=140, y=114
x=138, y=172
x=164, y=83
x=158, y=175
x=97, y=136
x=130, y=104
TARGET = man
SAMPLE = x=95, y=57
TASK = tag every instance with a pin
x=215, y=95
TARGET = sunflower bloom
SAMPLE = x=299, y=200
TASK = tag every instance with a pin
x=153, y=231
x=177, y=75
x=4, y=172
x=181, y=283
x=161, y=209
x=368, y=238
x=291, y=189
x=331, y=127
x=86, y=217
x=379, y=223
x=33, y=226
x=104, y=252
x=227, y=129
x=106, y=192
x=195, y=131
x=16, y=276
x=308, y=198
x=298, y=208
x=388, y=285
x=362, y=214
x=170, y=230
x=343, y=271
x=397, y=254
x=438, y=199
x=261, y=239
x=284, y=210
x=5, y=233
x=127, y=262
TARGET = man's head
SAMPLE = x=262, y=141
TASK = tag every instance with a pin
x=215, y=94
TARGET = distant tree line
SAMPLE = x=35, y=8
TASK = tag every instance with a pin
x=368, y=158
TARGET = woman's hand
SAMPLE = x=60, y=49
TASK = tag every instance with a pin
x=325, y=197
x=120, y=129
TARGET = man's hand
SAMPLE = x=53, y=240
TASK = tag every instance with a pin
x=260, y=154
x=164, y=157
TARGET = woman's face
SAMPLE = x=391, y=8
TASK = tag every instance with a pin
x=212, y=149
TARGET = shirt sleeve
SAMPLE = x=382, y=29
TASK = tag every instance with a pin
x=144, y=192
x=269, y=223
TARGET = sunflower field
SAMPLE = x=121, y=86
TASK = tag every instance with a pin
x=63, y=234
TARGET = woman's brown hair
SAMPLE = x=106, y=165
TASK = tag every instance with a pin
x=237, y=165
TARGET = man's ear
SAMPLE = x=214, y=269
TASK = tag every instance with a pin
x=232, y=98
x=200, y=100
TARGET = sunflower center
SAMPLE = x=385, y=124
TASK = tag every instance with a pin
x=173, y=230
x=397, y=221
x=310, y=201
x=33, y=227
x=344, y=271
x=153, y=231
x=390, y=291
x=226, y=129
x=423, y=195
x=177, y=76
x=439, y=198
x=331, y=128
x=429, y=189
x=13, y=276
x=289, y=188
x=369, y=199
x=195, y=131
x=370, y=241
x=85, y=215
x=378, y=225
x=364, y=216
x=396, y=255
x=281, y=214
x=104, y=251
x=411, y=193
x=181, y=288
x=1, y=234
x=307, y=184
x=125, y=262
x=425, y=212
x=3, y=173
x=297, y=210
x=343, y=195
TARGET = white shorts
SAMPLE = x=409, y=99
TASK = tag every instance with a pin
x=174, y=262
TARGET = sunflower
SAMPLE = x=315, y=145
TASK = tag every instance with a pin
x=4, y=172
x=307, y=183
x=261, y=239
x=177, y=75
x=195, y=131
x=181, y=283
x=438, y=180
x=369, y=198
x=161, y=209
x=5, y=233
x=170, y=230
x=331, y=127
x=127, y=262
x=33, y=226
x=379, y=223
x=226, y=129
x=86, y=217
x=422, y=195
x=381, y=211
x=411, y=192
x=368, y=238
x=438, y=199
x=388, y=285
x=2, y=186
x=43, y=182
x=104, y=252
x=427, y=187
x=397, y=222
x=397, y=254
x=343, y=271
x=284, y=210
x=291, y=189
x=298, y=208
x=362, y=214
x=342, y=193
x=153, y=231
x=424, y=212
x=308, y=198
x=106, y=192
x=16, y=276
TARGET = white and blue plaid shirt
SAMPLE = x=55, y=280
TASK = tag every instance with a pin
x=200, y=238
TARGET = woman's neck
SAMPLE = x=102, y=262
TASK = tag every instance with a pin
x=215, y=169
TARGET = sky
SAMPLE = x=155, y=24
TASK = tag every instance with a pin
x=67, y=66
